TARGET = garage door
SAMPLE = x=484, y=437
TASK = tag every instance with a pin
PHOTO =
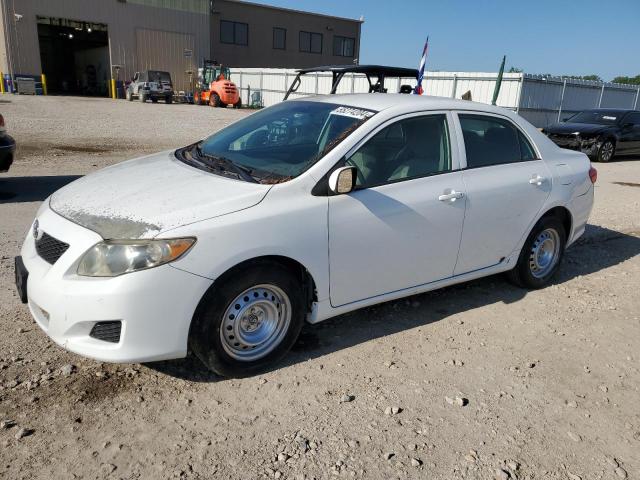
x=168, y=51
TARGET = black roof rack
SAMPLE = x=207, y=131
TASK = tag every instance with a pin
x=365, y=69
x=378, y=72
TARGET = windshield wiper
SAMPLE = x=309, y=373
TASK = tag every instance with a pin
x=223, y=162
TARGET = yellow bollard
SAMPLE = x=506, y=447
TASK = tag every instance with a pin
x=2, y=82
x=113, y=89
x=44, y=83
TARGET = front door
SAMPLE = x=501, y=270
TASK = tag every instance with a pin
x=506, y=186
x=629, y=142
x=401, y=227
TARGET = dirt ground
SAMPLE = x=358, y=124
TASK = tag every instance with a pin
x=478, y=381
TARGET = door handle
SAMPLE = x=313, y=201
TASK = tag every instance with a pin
x=537, y=180
x=451, y=197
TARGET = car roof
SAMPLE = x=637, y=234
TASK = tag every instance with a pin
x=365, y=69
x=401, y=101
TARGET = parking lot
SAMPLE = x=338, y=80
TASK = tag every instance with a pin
x=482, y=380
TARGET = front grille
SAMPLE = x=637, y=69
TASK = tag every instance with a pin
x=50, y=249
x=107, y=331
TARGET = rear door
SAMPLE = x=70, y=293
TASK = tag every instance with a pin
x=506, y=185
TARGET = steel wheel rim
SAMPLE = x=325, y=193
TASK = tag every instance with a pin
x=607, y=151
x=544, y=253
x=255, y=322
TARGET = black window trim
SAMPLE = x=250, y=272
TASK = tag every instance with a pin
x=478, y=113
x=343, y=38
x=321, y=187
x=234, y=23
x=274, y=38
x=311, y=42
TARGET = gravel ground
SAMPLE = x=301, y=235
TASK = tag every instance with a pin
x=482, y=380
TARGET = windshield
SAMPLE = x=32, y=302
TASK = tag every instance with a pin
x=596, y=117
x=155, y=76
x=280, y=142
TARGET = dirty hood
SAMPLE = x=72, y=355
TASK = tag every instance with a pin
x=143, y=197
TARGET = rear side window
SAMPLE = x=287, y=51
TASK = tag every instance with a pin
x=493, y=141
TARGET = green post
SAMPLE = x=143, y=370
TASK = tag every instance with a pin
x=496, y=91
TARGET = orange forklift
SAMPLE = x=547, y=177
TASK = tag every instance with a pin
x=214, y=86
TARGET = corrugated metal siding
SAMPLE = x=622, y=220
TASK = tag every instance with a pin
x=158, y=50
x=123, y=19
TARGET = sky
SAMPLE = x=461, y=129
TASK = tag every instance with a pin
x=560, y=37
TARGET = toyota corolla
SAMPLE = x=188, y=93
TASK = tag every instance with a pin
x=300, y=212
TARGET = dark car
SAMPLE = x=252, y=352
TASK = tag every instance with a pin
x=601, y=133
x=7, y=147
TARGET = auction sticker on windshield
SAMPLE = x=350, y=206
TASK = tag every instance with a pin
x=358, y=113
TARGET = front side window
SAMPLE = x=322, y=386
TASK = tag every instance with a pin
x=597, y=117
x=310, y=42
x=279, y=38
x=280, y=142
x=235, y=33
x=493, y=141
x=632, y=118
x=410, y=148
x=343, y=46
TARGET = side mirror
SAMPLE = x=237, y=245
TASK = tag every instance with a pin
x=343, y=180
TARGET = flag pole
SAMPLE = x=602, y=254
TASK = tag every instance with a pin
x=423, y=61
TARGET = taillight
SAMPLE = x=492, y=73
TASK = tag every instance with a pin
x=1, y=121
x=593, y=174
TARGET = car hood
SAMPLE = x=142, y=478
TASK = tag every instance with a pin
x=583, y=128
x=143, y=197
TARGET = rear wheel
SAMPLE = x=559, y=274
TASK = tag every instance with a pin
x=238, y=104
x=154, y=99
x=168, y=99
x=541, y=254
x=606, y=151
x=129, y=96
x=249, y=320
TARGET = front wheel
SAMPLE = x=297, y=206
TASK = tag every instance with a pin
x=168, y=99
x=238, y=104
x=248, y=321
x=129, y=96
x=606, y=151
x=143, y=97
x=541, y=254
x=214, y=100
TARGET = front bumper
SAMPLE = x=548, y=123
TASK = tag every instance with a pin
x=588, y=146
x=154, y=306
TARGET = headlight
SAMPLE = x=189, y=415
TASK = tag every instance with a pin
x=115, y=257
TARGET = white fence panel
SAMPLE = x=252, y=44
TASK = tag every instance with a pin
x=541, y=100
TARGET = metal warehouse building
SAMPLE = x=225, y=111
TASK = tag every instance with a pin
x=81, y=44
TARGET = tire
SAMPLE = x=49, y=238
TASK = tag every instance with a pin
x=143, y=97
x=214, y=100
x=154, y=99
x=238, y=104
x=606, y=151
x=270, y=303
x=198, y=99
x=168, y=99
x=541, y=255
x=129, y=96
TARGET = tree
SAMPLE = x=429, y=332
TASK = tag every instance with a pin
x=594, y=78
x=515, y=70
x=628, y=80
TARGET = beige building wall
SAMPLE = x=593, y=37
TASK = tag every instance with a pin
x=261, y=20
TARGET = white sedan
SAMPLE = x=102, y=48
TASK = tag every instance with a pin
x=300, y=212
